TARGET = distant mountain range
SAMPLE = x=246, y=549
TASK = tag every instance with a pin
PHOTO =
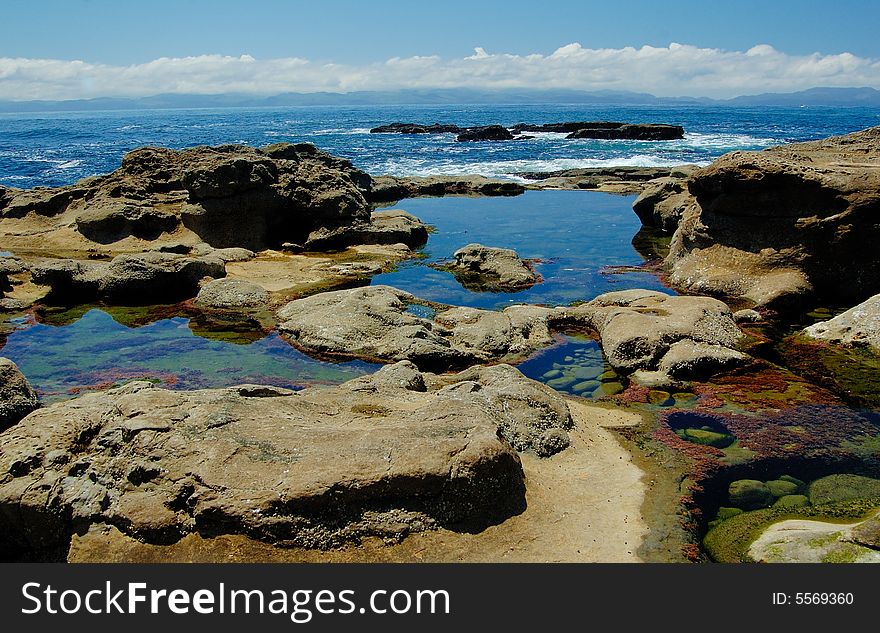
x=834, y=97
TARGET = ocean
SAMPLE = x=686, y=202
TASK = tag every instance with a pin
x=52, y=149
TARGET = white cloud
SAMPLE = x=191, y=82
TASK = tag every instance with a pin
x=678, y=69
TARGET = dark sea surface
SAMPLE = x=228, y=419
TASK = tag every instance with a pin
x=54, y=149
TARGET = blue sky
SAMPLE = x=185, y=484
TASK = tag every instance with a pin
x=359, y=38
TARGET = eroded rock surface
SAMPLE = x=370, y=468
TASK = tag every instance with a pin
x=151, y=277
x=778, y=226
x=232, y=294
x=17, y=398
x=661, y=339
x=373, y=323
x=858, y=326
x=481, y=267
x=384, y=455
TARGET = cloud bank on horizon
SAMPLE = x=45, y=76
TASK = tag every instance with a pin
x=675, y=70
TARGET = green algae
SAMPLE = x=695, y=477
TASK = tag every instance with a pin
x=728, y=541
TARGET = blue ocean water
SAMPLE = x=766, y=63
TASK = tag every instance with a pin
x=54, y=149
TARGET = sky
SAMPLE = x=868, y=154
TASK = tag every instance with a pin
x=66, y=49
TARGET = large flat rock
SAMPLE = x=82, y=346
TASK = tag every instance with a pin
x=385, y=455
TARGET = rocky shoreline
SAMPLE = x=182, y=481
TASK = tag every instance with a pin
x=436, y=440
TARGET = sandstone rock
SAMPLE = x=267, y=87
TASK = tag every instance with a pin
x=803, y=541
x=530, y=415
x=150, y=277
x=381, y=455
x=783, y=224
x=867, y=533
x=484, y=133
x=385, y=227
x=232, y=294
x=9, y=266
x=858, y=326
x=372, y=323
x=393, y=188
x=17, y=398
x=112, y=222
x=638, y=328
x=695, y=360
x=662, y=203
x=747, y=316
x=230, y=196
x=481, y=267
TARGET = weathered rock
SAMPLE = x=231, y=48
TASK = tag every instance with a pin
x=481, y=267
x=232, y=294
x=803, y=541
x=229, y=196
x=867, y=533
x=530, y=415
x=150, y=277
x=785, y=223
x=858, y=326
x=385, y=227
x=381, y=455
x=373, y=323
x=415, y=128
x=632, y=132
x=747, y=316
x=17, y=398
x=485, y=133
x=10, y=266
x=112, y=222
x=662, y=203
x=664, y=339
x=695, y=360
x=394, y=188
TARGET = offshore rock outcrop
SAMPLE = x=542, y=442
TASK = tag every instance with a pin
x=393, y=188
x=778, y=226
x=608, y=130
x=384, y=455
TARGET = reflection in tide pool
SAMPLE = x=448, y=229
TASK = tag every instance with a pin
x=575, y=235
x=575, y=366
x=96, y=352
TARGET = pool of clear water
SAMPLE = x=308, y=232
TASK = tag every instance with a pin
x=95, y=351
x=575, y=235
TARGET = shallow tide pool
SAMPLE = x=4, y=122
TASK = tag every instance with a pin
x=575, y=235
x=95, y=352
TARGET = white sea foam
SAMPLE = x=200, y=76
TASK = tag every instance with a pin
x=507, y=168
x=68, y=164
x=340, y=130
x=725, y=141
